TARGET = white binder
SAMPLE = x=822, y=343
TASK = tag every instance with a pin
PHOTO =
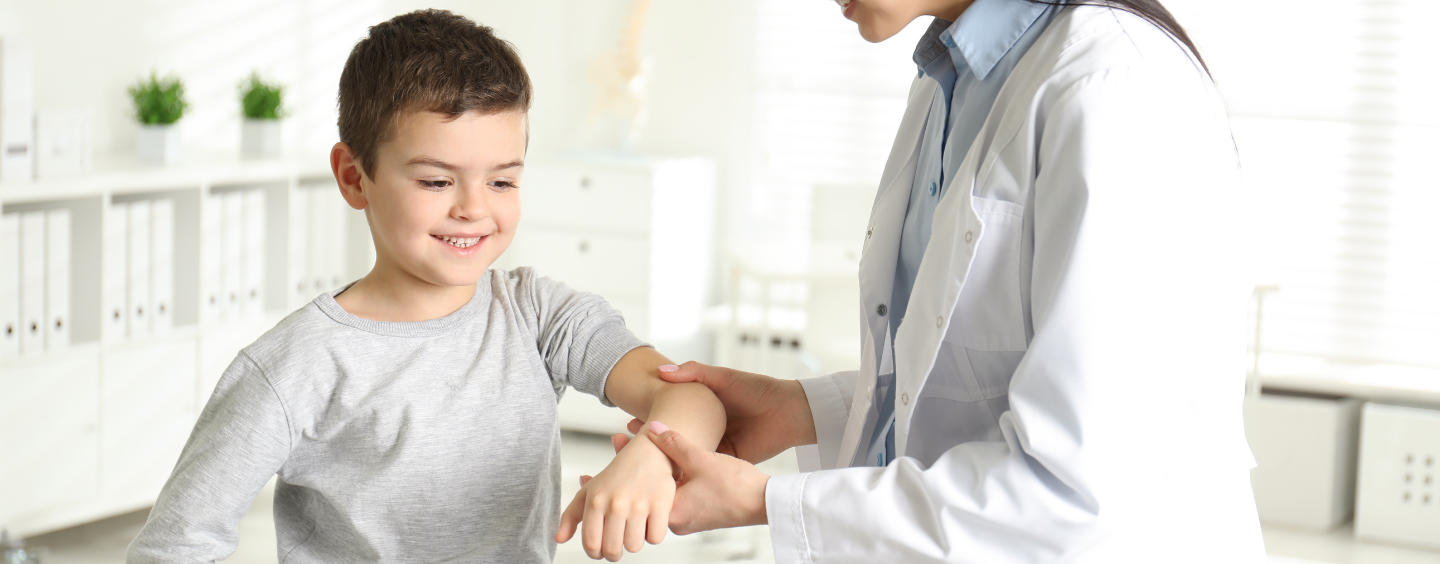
x=231, y=261
x=162, y=264
x=317, y=233
x=32, y=283
x=17, y=109
x=252, y=253
x=211, y=226
x=9, y=285
x=57, y=279
x=137, y=281
x=298, y=284
x=113, y=267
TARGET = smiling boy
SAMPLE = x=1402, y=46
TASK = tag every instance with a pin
x=411, y=415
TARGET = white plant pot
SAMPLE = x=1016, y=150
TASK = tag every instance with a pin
x=260, y=139
x=158, y=144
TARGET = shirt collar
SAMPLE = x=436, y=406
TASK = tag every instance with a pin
x=981, y=37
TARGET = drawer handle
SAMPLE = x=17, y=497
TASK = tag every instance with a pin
x=584, y=246
x=584, y=181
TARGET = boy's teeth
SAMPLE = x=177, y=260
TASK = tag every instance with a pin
x=461, y=242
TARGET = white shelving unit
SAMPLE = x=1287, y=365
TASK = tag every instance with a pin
x=93, y=428
x=90, y=426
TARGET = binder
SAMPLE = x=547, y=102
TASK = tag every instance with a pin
x=32, y=282
x=137, y=281
x=17, y=109
x=113, y=267
x=9, y=285
x=317, y=233
x=252, y=253
x=297, y=284
x=231, y=262
x=162, y=264
x=57, y=279
x=211, y=296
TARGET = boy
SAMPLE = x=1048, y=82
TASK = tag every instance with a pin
x=410, y=416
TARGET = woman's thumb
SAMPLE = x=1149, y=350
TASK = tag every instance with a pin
x=675, y=446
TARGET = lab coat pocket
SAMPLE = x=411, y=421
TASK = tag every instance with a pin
x=988, y=314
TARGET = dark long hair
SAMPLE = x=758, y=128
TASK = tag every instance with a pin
x=1150, y=10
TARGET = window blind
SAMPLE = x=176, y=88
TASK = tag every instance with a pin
x=1334, y=106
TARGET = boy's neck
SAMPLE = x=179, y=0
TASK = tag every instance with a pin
x=387, y=294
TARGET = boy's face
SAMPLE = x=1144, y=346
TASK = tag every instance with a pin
x=445, y=200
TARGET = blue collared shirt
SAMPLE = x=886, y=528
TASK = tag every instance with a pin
x=970, y=59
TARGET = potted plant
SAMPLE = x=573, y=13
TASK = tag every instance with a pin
x=261, y=103
x=159, y=103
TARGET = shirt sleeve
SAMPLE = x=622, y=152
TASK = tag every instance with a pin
x=241, y=439
x=1123, y=436
x=579, y=335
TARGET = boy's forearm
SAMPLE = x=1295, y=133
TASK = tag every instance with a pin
x=692, y=409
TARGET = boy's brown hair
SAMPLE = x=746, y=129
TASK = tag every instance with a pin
x=426, y=60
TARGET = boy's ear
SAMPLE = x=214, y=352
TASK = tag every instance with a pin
x=349, y=175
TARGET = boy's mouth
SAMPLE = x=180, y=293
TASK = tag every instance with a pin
x=460, y=242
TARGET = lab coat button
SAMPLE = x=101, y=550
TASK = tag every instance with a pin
x=940, y=321
x=904, y=398
x=882, y=309
x=867, y=233
x=968, y=236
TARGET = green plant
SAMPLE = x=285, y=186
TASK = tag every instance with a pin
x=260, y=99
x=158, y=101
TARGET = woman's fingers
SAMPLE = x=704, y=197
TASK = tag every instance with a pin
x=634, y=426
x=619, y=440
x=571, y=517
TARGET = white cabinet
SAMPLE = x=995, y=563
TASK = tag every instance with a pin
x=49, y=413
x=148, y=396
x=1304, y=446
x=638, y=232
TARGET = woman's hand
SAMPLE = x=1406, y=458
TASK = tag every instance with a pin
x=625, y=505
x=764, y=415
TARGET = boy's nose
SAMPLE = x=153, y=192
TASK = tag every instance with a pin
x=471, y=204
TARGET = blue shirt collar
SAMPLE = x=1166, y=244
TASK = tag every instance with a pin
x=980, y=38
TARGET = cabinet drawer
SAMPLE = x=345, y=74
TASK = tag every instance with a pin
x=48, y=425
x=614, y=266
x=578, y=198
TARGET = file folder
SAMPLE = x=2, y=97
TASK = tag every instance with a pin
x=9, y=285
x=231, y=261
x=162, y=264
x=32, y=283
x=211, y=226
x=137, y=282
x=252, y=251
x=316, y=234
x=57, y=279
x=298, y=285
x=114, y=273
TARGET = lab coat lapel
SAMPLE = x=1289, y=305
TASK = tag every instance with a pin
x=878, y=259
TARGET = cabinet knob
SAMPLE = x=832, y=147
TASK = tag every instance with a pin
x=59, y=324
x=9, y=330
x=584, y=182
x=584, y=246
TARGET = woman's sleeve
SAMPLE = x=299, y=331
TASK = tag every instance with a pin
x=241, y=439
x=1125, y=410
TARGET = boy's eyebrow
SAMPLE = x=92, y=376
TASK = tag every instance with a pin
x=427, y=161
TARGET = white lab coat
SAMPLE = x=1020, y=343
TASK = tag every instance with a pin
x=1070, y=369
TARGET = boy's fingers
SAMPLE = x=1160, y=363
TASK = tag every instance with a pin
x=571, y=517
x=635, y=531
x=619, y=440
x=657, y=524
x=613, y=545
x=592, y=528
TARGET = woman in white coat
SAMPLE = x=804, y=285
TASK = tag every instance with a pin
x=1052, y=316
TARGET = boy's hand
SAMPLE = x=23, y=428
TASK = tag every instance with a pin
x=627, y=504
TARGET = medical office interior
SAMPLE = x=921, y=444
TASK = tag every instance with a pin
x=709, y=169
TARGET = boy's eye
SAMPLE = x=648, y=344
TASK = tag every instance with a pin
x=435, y=184
x=502, y=185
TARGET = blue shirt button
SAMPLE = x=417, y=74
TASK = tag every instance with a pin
x=932, y=188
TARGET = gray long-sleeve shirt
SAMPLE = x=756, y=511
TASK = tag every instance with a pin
x=433, y=441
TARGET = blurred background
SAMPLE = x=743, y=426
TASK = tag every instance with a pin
x=708, y=168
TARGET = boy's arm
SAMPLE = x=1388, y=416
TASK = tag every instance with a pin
x=240, y=440
x=635, y=386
